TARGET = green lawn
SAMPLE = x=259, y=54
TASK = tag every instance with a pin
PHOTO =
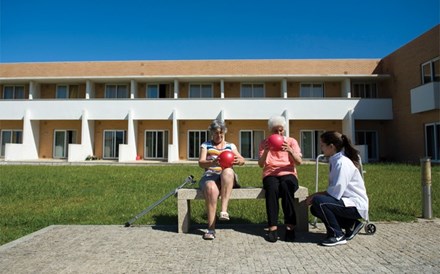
x=33, y=197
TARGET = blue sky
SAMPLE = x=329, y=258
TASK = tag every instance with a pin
x=107, y=30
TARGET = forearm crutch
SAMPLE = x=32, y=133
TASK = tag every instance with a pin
x=188, y=180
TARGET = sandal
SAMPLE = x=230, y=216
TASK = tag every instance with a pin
x=224, y=216
x=209, y=235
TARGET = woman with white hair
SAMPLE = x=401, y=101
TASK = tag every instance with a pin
x=217, y=181
x=280, y=179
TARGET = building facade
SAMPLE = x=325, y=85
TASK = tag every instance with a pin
x=160, y=110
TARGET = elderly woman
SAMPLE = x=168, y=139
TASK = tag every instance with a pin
x=217, y=181
x=280, y=179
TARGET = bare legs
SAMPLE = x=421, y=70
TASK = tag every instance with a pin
x=212, y=193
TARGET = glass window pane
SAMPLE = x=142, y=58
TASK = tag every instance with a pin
x=194, y=91
x=152, y=91
x=6, y=138
x=436, y=70
x=246, y=144
x=259, y=91
x=317, y=90
x=246, y=91
x=122, y=91
x=430, y=141
x=306, y=144
x=73, y=91
x=426, y=73
x=206, y=91
x=59, y=144
x=19, y=92
x=306, y=90
x=110, y=91
x=8, y=92
x=61, y=92
x=258, y=138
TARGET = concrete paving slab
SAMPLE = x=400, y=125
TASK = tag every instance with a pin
x=394, y=248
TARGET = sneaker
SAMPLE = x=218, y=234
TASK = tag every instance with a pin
x=272, y=236
x=332, y=241
x=290, y=235
x=350, y=233
x=209, y=235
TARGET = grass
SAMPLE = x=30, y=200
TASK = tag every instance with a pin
x=33, y=197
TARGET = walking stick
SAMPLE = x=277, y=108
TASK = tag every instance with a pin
x=189, y=179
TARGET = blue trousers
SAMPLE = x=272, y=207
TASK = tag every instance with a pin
x=334, y=214
x=283, y=187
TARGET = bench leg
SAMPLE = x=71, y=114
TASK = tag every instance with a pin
x=302, y=215
x=183, y=216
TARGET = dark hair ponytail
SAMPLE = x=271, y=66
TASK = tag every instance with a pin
x=341, y=141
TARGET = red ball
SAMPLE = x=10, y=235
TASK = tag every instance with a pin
x=226, y=159
x=276, y=141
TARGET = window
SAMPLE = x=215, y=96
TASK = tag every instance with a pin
x=112, y=140
x=13, y=92
x=116, y=91
x=157, y=91
x=62, y=138
x=67, y=91
x=250, y=142
x=252, y=90
x=195, y=139
x=9, y=136
x=368, y=138
x=364, y=90
x=432, y=141
x=156, y=144
x=311, y=90
x=200, y=91
x=310, y=143
x=153, y=91
x=431, y=71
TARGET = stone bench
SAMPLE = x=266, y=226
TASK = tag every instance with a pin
x=185, y=195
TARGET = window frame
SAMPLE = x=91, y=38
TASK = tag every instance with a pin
x=254, y=146
x=74, y=135
x=117, y=91
x=14, y=92
x=369, y=89
x=315, y=143
x=435, y=141
x=69, y=93
x=434, y=72
x=252, y=90
x=195, y=143
x=312, y=84
x=375, y=149
x=16, y=136
x=115, y=145
x=200, y=91
x=165, y=142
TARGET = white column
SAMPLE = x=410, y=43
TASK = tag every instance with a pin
x=173, y=149
x=127, y=152
x=79, y=152
x=32, y=90
x=28, y=150
x=348, y=126
x=222, y=88
x=176, y=89
x=89, y=89
x=284, y=88
x=346, y=88
x=133, y=89
x=287, y=127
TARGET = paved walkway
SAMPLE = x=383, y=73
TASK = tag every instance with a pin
x=395, y=248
